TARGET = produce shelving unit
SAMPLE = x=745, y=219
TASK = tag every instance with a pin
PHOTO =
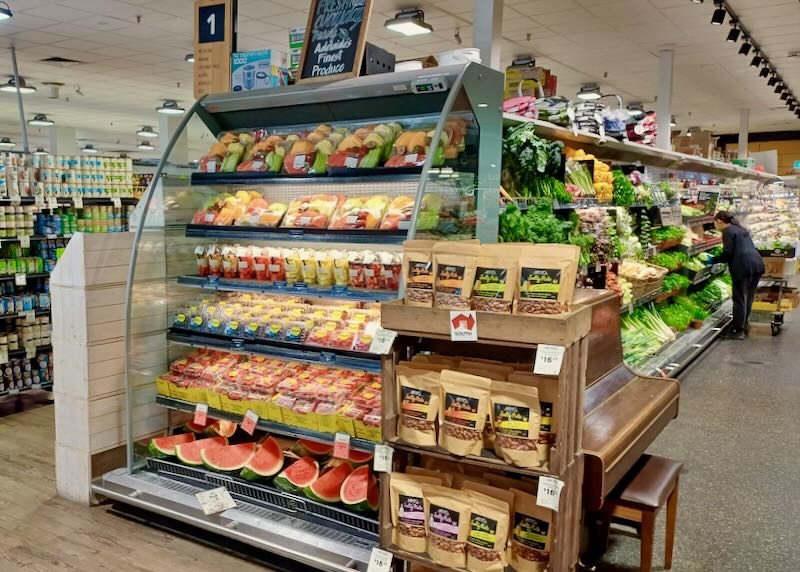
x=163, y=278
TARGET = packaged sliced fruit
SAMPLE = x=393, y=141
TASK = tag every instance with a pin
x=230, y=264
x=373, y=271
x=303, y=406
x=325, y=408
x=356, y=262
x=429, y=210
x=325, y=268
x=391, y=270
x=266, y=155
x=261, y=213
x=296, y=332
x=456, y=129
x=292, y=265
x=351, y=411
x=320, y=336
x=308, y=265
x=341, y=267
x=201, y=257
x=260, y=263
x=398, y=214
x=285, y=400
x=276, y=268
x=207, y=214
x=362, y=342
x=409, y=149
x=349, y=152
x=274, y=330
x=211, y=162
x=253, y=209
x=300, y=157
x=360, y=213
x=323, y=149
x=311, y=211
x=342, y=339
x=378, y=144
x=245, y=263
x=214, y=260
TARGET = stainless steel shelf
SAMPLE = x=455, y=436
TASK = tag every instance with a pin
x=296, y=234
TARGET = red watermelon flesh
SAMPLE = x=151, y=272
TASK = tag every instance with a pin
x=326, y=488
x=298, y=475
x=161, y=447
x=267, y=461
x=228, y=458
x=314, y=448
x=359, y=457
x=359, y=491
x=189, y=454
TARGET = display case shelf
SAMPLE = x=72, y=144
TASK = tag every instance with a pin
x=37, y=311
x=69, y=201
x=268, y=426
x=298, y=289
x=28, y=276
x=378, y=175
x=296, y=234
x=279, y=349
x=35, y=387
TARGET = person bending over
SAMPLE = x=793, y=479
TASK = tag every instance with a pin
x=746, y=267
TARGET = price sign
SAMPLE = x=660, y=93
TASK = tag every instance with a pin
x=3, y=357
x=549, y=492
x=30, y=316
x=30, y=351
x=24, y=241
x=249, y=422
x=38, y=200
x=77, y=201
x=213, y=44
x=201, y=414
x=20, y=279
x=215, y=500
x=382, y=462
x=52, y=203
x=116, y=202
x=548, y=359
x=341, y=446
x=16, y=200
x=380, y=560
x=463, y=326
x=382, y=341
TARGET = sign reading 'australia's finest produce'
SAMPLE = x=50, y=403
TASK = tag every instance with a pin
x=334, y=40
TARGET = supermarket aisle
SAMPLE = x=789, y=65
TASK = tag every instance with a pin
x=738, y=434
x=41, y=532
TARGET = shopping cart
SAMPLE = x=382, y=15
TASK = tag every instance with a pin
x=771, y=311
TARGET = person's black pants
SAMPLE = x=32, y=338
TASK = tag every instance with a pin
x=744, y=291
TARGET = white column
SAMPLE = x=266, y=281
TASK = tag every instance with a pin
x=744, y=132
x=664, y=103
x=63, y=141
x=487, y=33
x=167, y=125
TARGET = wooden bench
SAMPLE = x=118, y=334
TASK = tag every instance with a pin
x=650, y=484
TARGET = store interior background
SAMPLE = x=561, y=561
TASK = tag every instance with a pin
x=125, y=56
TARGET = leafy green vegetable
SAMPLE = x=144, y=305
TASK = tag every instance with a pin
x=537, y=225
x=674, y=282
x=531, y=163
x=669, y=260
x=624, y=193
x=667, y=233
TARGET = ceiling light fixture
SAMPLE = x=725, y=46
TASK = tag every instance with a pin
x=746, y=47
x=409, y=22
x=719, y=14
x=147, y=132
x=589, y=92
x=40, y=151
x=170, y=107
x=6, y=143
x=773, y=80
x=733, y=35
x=756, y=61
x=11, y=87
x=764, y=72
x=672, y=122
x=88, y=148
x=635, y=109
x=5, y=11
x=697, y=1
x=145, y=146
x=41, y=120
x=189, y=58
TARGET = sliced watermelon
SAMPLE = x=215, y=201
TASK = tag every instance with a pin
x=194, y=427
x=221, y=427
x=298, y=475
x=228, y=458
x=162, y=447
x=313, y=448
x=189, y=454
x=357, y=458
x=326, y=488
x=267, y=461
x=359, y=491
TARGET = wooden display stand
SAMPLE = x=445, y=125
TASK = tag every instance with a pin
x=515, y=339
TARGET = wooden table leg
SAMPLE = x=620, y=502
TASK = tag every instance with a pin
x=648, y=535
x=672, y=517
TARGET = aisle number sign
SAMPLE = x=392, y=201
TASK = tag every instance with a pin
x=214, y=43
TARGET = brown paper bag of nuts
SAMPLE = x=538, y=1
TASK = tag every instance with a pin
x=447, y=525
x=495, y=279
x=464, y=409
x=419, y=395
x=516, y=415
x=408, y=510
x=529, y=545
x=486, y=543
x=418, y=272
x=547, y=388
x=546, y=278
x=455, y=273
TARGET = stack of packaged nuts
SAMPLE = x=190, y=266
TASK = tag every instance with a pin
x=500, y=278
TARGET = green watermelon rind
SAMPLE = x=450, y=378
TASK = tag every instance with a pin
x=186, y=461
x=362, y=504
x=314, y=448
x=232, y=468
x=251, y=474
x=316, y=496
x=155, y=451
x=283, y=482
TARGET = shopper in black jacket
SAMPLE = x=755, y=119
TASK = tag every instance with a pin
x=746, y=267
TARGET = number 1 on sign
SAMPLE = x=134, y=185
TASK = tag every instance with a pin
x=380, y=560
x=212, y=24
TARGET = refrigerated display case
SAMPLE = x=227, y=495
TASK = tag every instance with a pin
x=277, y=271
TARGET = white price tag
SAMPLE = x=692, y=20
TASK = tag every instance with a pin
x=21, y=279
x=549, y=492
x=36, y=386
x=30, y=317
x=463, y=326
x=380, y=560
x=211, y=167
x=215, y=500
x=341, y=446
x=16, y=200
x=410, y=158
x=382, y=462
x=13, y=391
x=51, y=236
x=382, y=341
x=24, y=241
x=77, y=201
x=351, y=161
x=38, y=200
x=548, y=359
x=52, y=203
x=299, y=161
x=30, y=351
x=3, y=357
x=249, y=422
x=116, y=202
x=201, y=414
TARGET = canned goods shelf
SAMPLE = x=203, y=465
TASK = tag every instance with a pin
x=37, y=311
x=28, y=276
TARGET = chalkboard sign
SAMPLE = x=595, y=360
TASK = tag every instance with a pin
x=335, y=36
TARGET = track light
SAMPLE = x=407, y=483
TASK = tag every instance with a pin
x=746, y=47
x=756, y=61
x=189, y=58
x=635, y=109
x=145, y=146
x=409, y=22
x=6, y=143
x=170, y=107
x=5, y=11
x=773, y=80
x=697, y=1
x=733, y=35
x=764, y=72
x=672, y=122
x=41, y=120
x=88, y=148
x=719, y=14
x=147, y=132
x=589, y=92
x=40, y=151
x=11, y=87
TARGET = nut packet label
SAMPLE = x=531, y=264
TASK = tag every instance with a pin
x=443, y=522
x=411, y=511
x=539, y=283
x=512, y=420
x=416, y=402
x=482, y=532
x=420, y=275
x=490, y=282
x=461, y=410
x=546, y=421
x=450, y=279
x=530, y=532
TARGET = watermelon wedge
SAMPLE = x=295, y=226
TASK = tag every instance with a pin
x=359, y=491
x=326, y=488
x=267, y=461
x=162, y=447
x=229, y=458
x=298, y=475
x=221, y=427
x=194, y=427
x=357, y=458
x=305, y=447
x=189, y=454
